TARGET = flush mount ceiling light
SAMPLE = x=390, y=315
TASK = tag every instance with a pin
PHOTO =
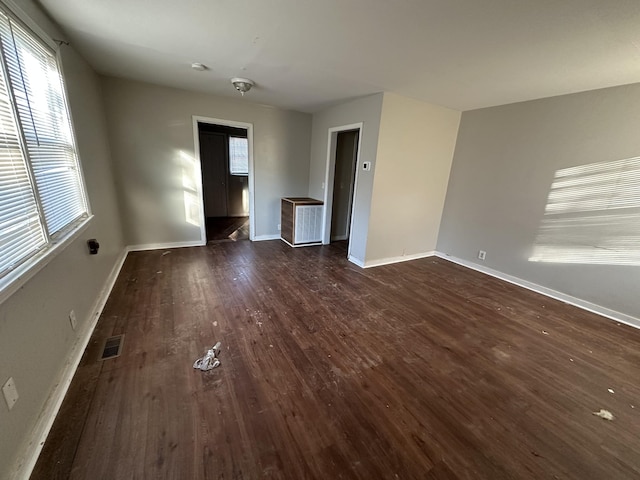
x=200, y=67
x=243, y=85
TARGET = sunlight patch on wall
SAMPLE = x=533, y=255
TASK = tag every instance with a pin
x=190, y=190
x=592, y=215
x=245, y=198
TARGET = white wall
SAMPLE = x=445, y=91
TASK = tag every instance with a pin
x=504, y=180
x=366, y=110
x=36, y=339
x=415, y=151
x=151, y=133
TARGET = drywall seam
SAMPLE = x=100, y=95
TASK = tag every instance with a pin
x=548, y=292
x=31, y=451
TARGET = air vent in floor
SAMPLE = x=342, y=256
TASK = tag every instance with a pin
x=112, y=347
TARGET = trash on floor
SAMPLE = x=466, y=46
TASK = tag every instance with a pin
x=606, y=414
x=209, y=360
x=166, y=253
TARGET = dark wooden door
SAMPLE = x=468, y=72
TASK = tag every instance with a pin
x=213, y=157
x=238, y=195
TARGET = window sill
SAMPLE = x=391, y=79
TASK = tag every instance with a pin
x=21, y=275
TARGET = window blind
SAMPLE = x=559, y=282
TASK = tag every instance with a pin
x=37, y=88
x=41, y=190
x=238, y=156
x=21, y=234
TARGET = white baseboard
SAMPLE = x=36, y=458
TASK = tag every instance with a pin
x=27, y=461
x=262, y=238
x=402, y=258
x=357, y=261
x=298, y=245
x=577, y=302
x=163, y=246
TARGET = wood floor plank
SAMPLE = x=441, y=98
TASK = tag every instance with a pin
x=423, y=369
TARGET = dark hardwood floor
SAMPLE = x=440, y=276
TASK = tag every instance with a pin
x=226, y=229
x=419, y=370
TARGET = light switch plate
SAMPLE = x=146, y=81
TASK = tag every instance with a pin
x=10, y=392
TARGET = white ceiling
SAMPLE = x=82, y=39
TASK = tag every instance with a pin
x=306, y=54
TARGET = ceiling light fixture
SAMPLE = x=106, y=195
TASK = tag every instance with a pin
x=243, y=85
x=199, y=66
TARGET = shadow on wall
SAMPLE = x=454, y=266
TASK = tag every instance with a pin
x=592, y=215
x=189, y=185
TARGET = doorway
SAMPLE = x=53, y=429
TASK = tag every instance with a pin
x=341, y=182
x=224, y=152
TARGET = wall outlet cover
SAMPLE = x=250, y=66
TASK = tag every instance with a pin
x=10, y=392
x=482, y=254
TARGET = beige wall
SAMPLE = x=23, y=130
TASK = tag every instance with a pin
x=36, y=338
x=415, y=151
x=504, y=179
x=366, y=110
x=151, y=133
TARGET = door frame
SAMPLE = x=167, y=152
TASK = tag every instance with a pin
x=200, y=187
x=332, y=140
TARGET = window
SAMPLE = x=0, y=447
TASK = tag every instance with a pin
x=42, y=196
x=238, y=156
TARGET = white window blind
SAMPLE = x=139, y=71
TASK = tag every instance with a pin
x=41, y=189
x=21, y=233
x=238, y=156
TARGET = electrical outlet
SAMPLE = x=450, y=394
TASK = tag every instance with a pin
x=72, y=319
x=10, y=392
x=482, y=254
x=278, y=227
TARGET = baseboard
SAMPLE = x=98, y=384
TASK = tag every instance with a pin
x=356, y=261
x=339, y=238
x=403, y=258
x=163, y=246
x=298, y=245
x=27, y=461
x=577, y=302
x=262, y=238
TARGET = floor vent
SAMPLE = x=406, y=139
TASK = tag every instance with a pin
x=112, y=347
